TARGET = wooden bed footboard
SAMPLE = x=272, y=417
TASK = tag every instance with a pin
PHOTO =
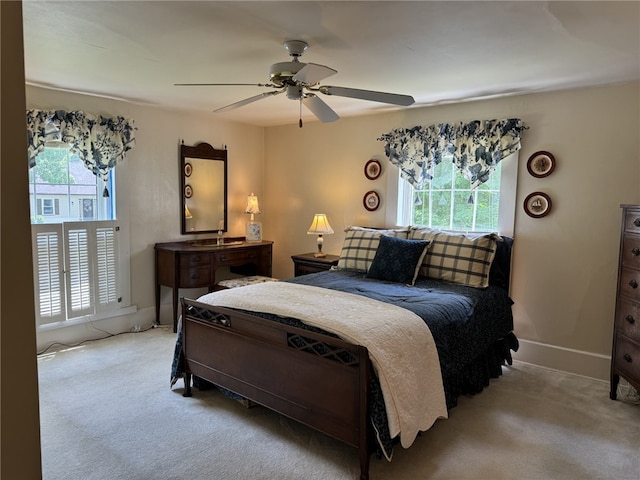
x=318, y=380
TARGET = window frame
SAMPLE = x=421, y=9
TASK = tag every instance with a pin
x=67, y=206
x=400, y=198
x=100, y=310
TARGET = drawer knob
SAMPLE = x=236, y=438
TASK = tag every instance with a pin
x=195, y=276
x=627, y=357
x=636, y=222
x=630, y=319
x=633, y=283
x=223, y=258
x=635, y=251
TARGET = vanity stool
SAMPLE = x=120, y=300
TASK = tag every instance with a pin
x=243, y=281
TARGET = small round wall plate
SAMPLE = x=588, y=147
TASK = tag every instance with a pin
x=537, y=204
x=187, y=169
x=371, y=201
x=372, y=169
x=541, y=164
x=188, y=191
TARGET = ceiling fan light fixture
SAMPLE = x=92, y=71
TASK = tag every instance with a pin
x=294, y=92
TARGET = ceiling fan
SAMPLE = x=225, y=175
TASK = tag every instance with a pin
x=300, y=81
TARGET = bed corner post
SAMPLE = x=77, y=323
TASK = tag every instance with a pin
x=364, y=449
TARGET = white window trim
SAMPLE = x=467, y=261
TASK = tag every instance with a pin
x=508, y=187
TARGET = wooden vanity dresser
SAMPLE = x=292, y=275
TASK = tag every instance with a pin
x=193, y=264
x=625, y=357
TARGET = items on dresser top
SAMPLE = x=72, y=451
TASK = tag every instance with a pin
x=194, y=264
x=625, y=357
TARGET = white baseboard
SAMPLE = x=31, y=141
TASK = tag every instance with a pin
x=78, y=332
x=578, y=362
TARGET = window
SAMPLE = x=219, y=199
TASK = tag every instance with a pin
x=449, y=203
x=48, y=206
x=62, y=189
x=79, y=272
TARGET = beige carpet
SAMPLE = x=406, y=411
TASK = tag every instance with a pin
x=107, y=413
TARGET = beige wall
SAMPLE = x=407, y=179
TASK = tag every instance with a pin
x=148, y=184
x=564, y=265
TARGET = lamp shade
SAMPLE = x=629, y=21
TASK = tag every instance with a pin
x=252, y=204
x=320, y=225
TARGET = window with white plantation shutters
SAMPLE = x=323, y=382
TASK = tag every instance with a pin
x=77, y=269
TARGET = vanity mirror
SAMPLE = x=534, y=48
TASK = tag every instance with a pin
x=203, y=189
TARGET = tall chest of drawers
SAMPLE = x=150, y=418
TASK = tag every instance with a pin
x=625, y=357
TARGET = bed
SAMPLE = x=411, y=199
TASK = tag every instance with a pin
x=326, y=349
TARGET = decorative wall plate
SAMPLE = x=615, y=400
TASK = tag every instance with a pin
x=371, y=201
x=537, y=204
x=188, y=191
x=187, y=169
x=541, y=164
x=372, y=169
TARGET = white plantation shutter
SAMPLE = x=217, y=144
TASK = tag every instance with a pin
x=48, y=281
x=107, y=267
x=78, y=270
x=90, y=277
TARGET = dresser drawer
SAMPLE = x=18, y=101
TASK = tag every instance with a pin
x=195, y=277
x=628, y=319
x=627, y=357
x=632, y=221
x=629, y=285
x=630, y=254
x=194, y=259
x=239, y=257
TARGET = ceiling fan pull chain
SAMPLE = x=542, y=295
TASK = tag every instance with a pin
x=300, y=121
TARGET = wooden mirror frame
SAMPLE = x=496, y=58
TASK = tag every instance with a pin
x=196, y=181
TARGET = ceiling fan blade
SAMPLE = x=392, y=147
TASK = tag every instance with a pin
x=312, y=73
x=247, y=101
x=319, y=108
x=393, y=98
x=224, y=85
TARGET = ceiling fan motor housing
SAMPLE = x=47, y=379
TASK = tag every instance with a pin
x=281, y=73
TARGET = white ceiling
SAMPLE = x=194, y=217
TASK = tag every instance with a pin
x=435, y=51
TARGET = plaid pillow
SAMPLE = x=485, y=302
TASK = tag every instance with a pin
x=457, y=258
x=360, y=245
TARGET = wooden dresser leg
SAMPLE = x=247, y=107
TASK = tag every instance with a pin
x=613, y=393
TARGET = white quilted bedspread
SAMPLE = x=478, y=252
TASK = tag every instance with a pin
x=400, y=345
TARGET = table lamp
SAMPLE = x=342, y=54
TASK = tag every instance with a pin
x=254, y=228
x=320, y=226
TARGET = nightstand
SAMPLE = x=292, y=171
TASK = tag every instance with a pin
x=306, y=263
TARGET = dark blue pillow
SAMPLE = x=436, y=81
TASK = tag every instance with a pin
x=398, y=260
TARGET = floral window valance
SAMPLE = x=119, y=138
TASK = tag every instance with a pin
x=100, y=142
x=477, y=147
